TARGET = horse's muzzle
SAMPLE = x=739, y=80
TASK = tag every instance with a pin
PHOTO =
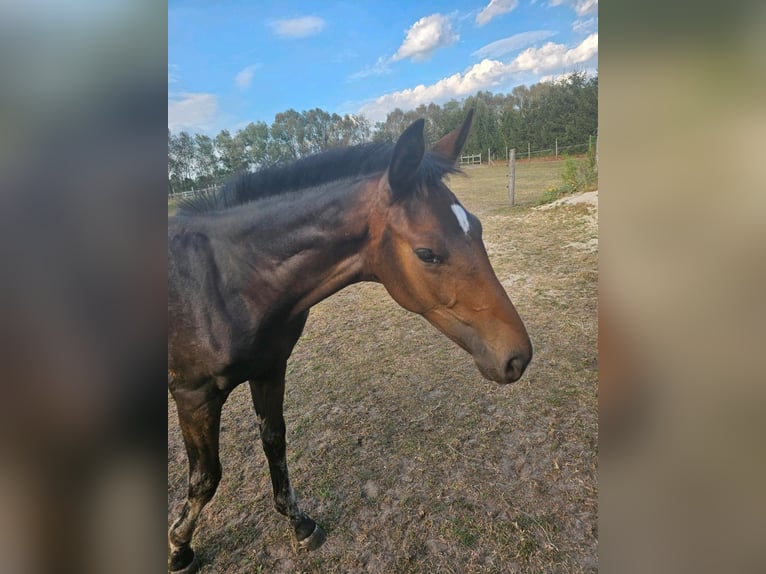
x=506, y=370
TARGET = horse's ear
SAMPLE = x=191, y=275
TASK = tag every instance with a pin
x=405, y=161
x=452, y=144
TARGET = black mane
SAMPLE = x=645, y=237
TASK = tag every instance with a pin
x=311, y=171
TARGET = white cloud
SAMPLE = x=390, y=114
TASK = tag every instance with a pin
x=173, y=74
x=581, y=7
x=482, y=76
x=554, y=78
x=244, y=77
x=495, y=8
x=552, y=55
x=561, y=77
x=298, y=27
x=585, y=26
x=425, y=36
x=345, y=55
x=512, y=43
x=192, y=111
x=381, y=68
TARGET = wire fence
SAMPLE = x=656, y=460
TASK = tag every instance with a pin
x=561, y=150
x=555, y=152
x=529, y=153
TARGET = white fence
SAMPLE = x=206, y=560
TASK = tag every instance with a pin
x=193, y=192
x=470, y=159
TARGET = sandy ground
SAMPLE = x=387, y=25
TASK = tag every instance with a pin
x=588, y=198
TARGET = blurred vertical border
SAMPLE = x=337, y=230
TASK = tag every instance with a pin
x=82, y=330
x=682, y=394
x=683, y=276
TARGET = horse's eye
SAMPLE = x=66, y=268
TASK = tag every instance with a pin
x=428, y=256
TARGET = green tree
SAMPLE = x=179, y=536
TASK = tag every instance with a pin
x=230, y=153
x=253, y=141
x=173, y=181
x=181, y=161
x=317, y=131
x=485, y=134
x=348, y=130
x=205, y=161
x=539, y=114
x=396, y=122
x=287, y=137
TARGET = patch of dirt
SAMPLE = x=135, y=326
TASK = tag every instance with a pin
x=588, y=198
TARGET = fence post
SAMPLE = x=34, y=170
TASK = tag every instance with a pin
x=529, y=151
x=596, y=152
x=512, y=177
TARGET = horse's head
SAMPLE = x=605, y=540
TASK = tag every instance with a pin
x=427, y=251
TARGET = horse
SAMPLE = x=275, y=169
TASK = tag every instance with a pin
x=246, y=264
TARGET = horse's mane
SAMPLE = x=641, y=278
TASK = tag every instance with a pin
x=311, y=171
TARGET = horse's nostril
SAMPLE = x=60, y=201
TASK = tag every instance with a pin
x=514, y=368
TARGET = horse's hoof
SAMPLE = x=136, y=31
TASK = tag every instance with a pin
x=313, y=540
x=190, y=568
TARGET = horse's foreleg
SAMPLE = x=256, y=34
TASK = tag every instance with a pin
x=268, y=399
x=200, y=423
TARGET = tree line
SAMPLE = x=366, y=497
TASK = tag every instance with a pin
x=535, y=116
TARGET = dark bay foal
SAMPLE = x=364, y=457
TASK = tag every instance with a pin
x=246, y=265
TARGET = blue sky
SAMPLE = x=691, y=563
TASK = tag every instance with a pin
x=233, y=62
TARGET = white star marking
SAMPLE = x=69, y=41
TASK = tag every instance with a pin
x=462, y=218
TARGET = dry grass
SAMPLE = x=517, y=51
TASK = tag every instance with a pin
x=485, y=185
x=396, y=445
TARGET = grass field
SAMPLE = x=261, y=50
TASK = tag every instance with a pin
x=396, y=445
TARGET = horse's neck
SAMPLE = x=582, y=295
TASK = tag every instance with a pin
x=306, y=247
